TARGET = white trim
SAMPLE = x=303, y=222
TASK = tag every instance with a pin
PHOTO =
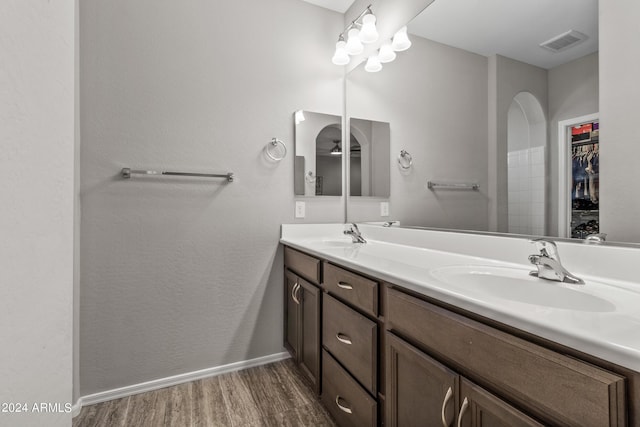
x=130, y=390
x=76, y=408
x=564, y=171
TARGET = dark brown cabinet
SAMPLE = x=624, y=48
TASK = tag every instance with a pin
x=424, y=392
x=349, y=404
x=384, y=355
x=420, y=391
x=291, y=314
x=302, y=325
x=550, y=386
x=352, y=339
x=309, y=350
x=480, y=408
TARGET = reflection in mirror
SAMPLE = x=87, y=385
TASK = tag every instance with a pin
x=318, y=154
x=369, y=153
x=473, y=93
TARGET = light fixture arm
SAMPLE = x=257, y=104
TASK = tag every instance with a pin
x=355, y=23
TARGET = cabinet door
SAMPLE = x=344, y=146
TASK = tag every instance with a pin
x=480, y=408
x=420, y=391
x=291, y=314
x=309, y=350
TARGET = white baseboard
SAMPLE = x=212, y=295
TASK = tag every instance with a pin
x=76, y=408
x=130, y=390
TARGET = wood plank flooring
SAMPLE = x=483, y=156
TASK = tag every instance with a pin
x=264, y=396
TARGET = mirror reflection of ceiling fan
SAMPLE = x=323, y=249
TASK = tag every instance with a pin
x=337, y=150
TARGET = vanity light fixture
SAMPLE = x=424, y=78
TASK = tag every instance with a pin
x=401, y=40
x=341, y=57
x=368, y=32
x=386, y=53
x=299, y=117
x=336, y=151
x=373, y=64
x=360, y=30
x=354, y=46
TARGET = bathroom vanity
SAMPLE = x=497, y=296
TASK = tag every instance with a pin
x=386, y=338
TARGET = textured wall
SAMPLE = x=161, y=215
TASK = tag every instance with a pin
x=573, y=92
x=619, y=112
x=36, y=218
x=434, y=97
x=508, y=77
x=179, y=275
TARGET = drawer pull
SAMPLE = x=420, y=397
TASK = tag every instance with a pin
x=342, y=408
x=345, y=285
x=445, y=401
x=463, y=409
x=294, y=293
x=343, y=338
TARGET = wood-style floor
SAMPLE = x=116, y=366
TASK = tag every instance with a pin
x=269, y=395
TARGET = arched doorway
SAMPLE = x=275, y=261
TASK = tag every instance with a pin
x=526, y=159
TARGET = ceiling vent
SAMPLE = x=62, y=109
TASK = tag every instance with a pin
x=564, y=41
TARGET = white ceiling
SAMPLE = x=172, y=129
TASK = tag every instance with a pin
x=511, y=28
x=338, y=5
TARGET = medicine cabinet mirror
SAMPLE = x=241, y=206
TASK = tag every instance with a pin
x=318, y=154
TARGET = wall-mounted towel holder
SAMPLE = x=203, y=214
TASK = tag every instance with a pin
x=128, y=172
x=276, y=150
x=405, y=160
x=433, y=185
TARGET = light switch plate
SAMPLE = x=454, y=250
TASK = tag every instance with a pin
x=300, y=209
x=384, y=208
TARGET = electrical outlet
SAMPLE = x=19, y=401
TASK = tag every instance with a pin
x=384, y=208
x=300, y=209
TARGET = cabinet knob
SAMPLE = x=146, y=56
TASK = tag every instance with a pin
x=294, y=293
x=343, y=338
x=345, y=285
x=445, y=402
x=343, y=408
x=463, y=409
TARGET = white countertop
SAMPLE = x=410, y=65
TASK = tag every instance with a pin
x=601, y=318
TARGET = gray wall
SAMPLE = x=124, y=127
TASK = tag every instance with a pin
x=37, y=47
x=330, y=168
x=431, y=95
x=507, y=78
x=619, y=113
x=177, y=274
x=573, y=92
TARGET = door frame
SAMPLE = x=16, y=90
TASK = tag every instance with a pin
x=564, y=170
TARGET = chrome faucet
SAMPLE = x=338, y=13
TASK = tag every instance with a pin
x=548, y=263
x=596, y=238
x=354, y=232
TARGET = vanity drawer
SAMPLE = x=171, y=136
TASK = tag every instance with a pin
x=548, y=384
x=303, y=264
x=351, y=287
x=352, y=339
x=348, y=403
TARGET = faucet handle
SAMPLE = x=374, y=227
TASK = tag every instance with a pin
x=547, y=248
x=355, y=228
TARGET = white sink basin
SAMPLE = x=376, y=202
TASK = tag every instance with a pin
x=336, y=243
x=515, y=284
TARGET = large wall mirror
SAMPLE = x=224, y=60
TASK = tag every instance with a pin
x=477, y=100
x=318, y=154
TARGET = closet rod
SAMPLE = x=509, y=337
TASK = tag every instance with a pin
x=127, y=172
